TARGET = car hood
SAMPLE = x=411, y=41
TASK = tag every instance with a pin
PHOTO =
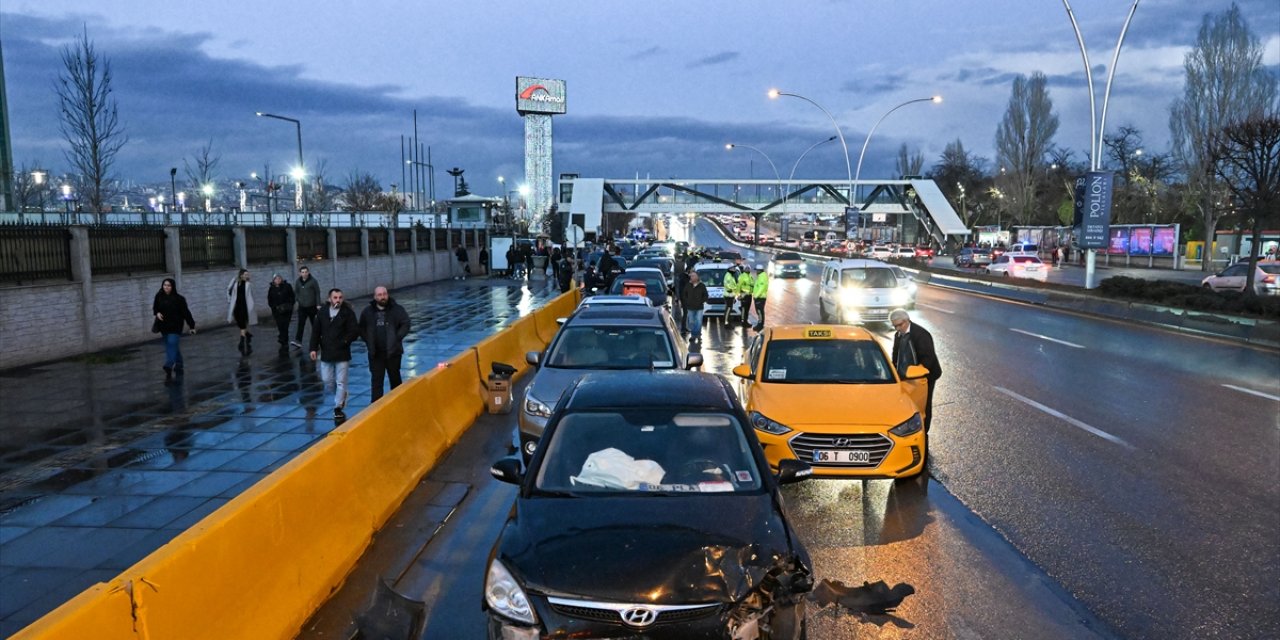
x=656, y=549
x=874, y=406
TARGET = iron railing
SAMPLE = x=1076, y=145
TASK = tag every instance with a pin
x=266, y=246
x=348, y=243
x=442, y=239
x=206, y=248
x=403, y=241
x=126, y=249
x=29, y=253
x=378, y=242
x=313, y=244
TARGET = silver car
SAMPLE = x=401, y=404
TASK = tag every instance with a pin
x=602, y=338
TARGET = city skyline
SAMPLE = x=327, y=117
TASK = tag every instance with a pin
x=645, y=95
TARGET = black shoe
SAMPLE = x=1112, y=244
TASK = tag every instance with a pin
x=240, y=348
x=168, y=372
x=338, y=414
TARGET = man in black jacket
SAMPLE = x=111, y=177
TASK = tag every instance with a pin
x=307, y=291
x=280, y=298
x=384, y=325
x=336, y=329
x=693, y=301
x=914, y=345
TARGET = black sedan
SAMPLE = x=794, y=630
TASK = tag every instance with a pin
x=648, y=511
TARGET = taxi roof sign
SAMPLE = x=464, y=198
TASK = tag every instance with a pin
x=817, y=333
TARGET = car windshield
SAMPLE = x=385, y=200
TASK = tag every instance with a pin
x=652, y=281
x=647, y=452
x=712, y=277
x=597, y=347
x=787, y=256
x=870, y=278
x=826, y=362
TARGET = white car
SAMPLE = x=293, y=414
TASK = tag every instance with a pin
x=905, y=252
x=880, y=252
x=1019, y=266
x=1266, y=280
x=593, y=301
x=857, y=291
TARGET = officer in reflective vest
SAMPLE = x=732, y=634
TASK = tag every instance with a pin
x=746, y=286
x=760, y=292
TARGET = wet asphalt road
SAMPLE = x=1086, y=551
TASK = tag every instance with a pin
x=1091, y=479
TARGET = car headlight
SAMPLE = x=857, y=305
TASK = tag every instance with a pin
x=900, y=296
x=536, y=407
x=504, y=595
x=851, y=296
x=759, y=421
x=912, y=425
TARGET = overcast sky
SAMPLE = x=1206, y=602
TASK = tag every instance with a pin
x=655, y=87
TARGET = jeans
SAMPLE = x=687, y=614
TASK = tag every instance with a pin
x=335, y=373
x=172, y=354
x=693, y=319
x=305, y=314
x=380, y=364
x=282, y=327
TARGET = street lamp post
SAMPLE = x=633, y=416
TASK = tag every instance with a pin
x=66, y=197
x=858, y=174
x=774, y=93
x=173, y=189
x=776, y=176
x=302, y=168
x=38, y=177
x=793, y=172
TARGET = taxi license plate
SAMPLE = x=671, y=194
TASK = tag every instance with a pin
x=842, y=456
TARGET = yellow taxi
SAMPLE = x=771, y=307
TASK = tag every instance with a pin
x=828, y=395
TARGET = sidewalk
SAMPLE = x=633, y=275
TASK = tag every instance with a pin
x=102, y=461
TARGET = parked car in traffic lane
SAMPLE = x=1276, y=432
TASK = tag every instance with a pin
x=973, y=257
x=649, y=512
x=1266, y=279
x=1019, y=266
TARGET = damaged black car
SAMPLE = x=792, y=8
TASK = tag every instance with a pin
x=648, y=511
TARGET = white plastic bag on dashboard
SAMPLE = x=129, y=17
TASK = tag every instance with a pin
x=613, y=469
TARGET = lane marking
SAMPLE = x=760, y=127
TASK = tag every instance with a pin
x=1043, y=337
x=1072, y=421
x=1252, y=392
x=929, y=306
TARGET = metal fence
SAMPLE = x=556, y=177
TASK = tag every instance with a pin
x=348, y=243
x=403, y=241
x=266, y=246
x=206, y=248
x=29, y=253
x=442, y=239
x=378, y=242
x=126, y=249
x=313, y=244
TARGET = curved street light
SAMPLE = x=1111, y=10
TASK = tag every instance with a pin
x=792, y=176
x=774, y=93
x=858, y=174
x=776, y=176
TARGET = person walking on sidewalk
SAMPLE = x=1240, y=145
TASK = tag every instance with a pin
x=759, y=293
x=280, y=298
x=463, y=262
x=307, y=291
x=912, y=344
x=384, y=325
x=170, y=310
x=693, y=301
x=484, y=261
x=336, y=329
x=240, y=309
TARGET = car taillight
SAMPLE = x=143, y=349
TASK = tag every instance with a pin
x=1271, y=279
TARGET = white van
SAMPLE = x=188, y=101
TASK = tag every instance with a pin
x=856, y=291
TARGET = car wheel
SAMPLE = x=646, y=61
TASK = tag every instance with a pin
x=1207, y=286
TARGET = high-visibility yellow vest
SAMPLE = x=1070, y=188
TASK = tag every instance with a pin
x=761, y=288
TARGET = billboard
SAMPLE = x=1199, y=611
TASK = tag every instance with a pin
x=1119, y=242
x=852, y=222
x=1096, y=211
x=1140, y=241
x=1166, y=239
x=539, y=95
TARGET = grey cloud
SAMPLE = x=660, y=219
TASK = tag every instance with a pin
x=873, y=86
x=718, y=58
x=647, y=53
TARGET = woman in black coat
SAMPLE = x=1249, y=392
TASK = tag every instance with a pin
x=171, y=312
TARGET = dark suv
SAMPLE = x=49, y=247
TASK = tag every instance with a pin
x=598, y=339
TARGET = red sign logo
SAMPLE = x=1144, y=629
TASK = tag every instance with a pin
x=527, y=94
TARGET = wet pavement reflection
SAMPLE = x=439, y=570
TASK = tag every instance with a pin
x=102, y=460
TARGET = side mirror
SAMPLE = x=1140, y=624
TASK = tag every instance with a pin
x=533, y=357
x=508, y=470
x=791, y=471
x=742, y=371
x=692, y=360
x=561, y=321
x=916, y=371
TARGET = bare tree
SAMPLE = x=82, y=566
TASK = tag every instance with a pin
x=362, y=192
x=1248, y=161
x=29, y=192
x=322, y=197
x=1023, y=138
x=1225, y=81
x=960, y=172
x=909, y=164
x=88, y=118
x=203, y=173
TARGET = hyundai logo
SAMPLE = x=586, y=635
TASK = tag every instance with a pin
x=639, y=616
x=843, y=442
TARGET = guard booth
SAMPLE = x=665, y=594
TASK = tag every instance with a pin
x=472, y=211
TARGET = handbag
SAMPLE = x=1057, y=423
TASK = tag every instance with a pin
x=155, y=326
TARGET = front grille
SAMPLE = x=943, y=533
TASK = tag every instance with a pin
x=875, y=444
x=587, y=613
x=874, y=314
x=612, y=616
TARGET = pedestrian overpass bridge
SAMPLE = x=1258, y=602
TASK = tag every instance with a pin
x=878, y=202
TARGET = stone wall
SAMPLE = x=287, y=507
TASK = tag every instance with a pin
x=48, y=321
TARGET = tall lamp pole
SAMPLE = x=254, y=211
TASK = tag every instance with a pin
x=173, y=189
x=793, y=171
x=774, y=93
x=776, y=176
x=858, y=174
x=302, y=168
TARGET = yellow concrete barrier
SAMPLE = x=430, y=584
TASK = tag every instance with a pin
x=258, y=567
x=509, y=346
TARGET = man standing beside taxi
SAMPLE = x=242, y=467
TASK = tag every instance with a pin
x=912, y=344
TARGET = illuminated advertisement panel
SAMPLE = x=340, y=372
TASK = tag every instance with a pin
x=1166, y=240
x=539, y=95
x=1140, y=241
x=1119, y=242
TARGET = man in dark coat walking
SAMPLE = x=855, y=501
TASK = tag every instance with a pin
x=384, y=325
x=914, y=345
x=336, y=329
x=280, y=298
x=307, y=291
